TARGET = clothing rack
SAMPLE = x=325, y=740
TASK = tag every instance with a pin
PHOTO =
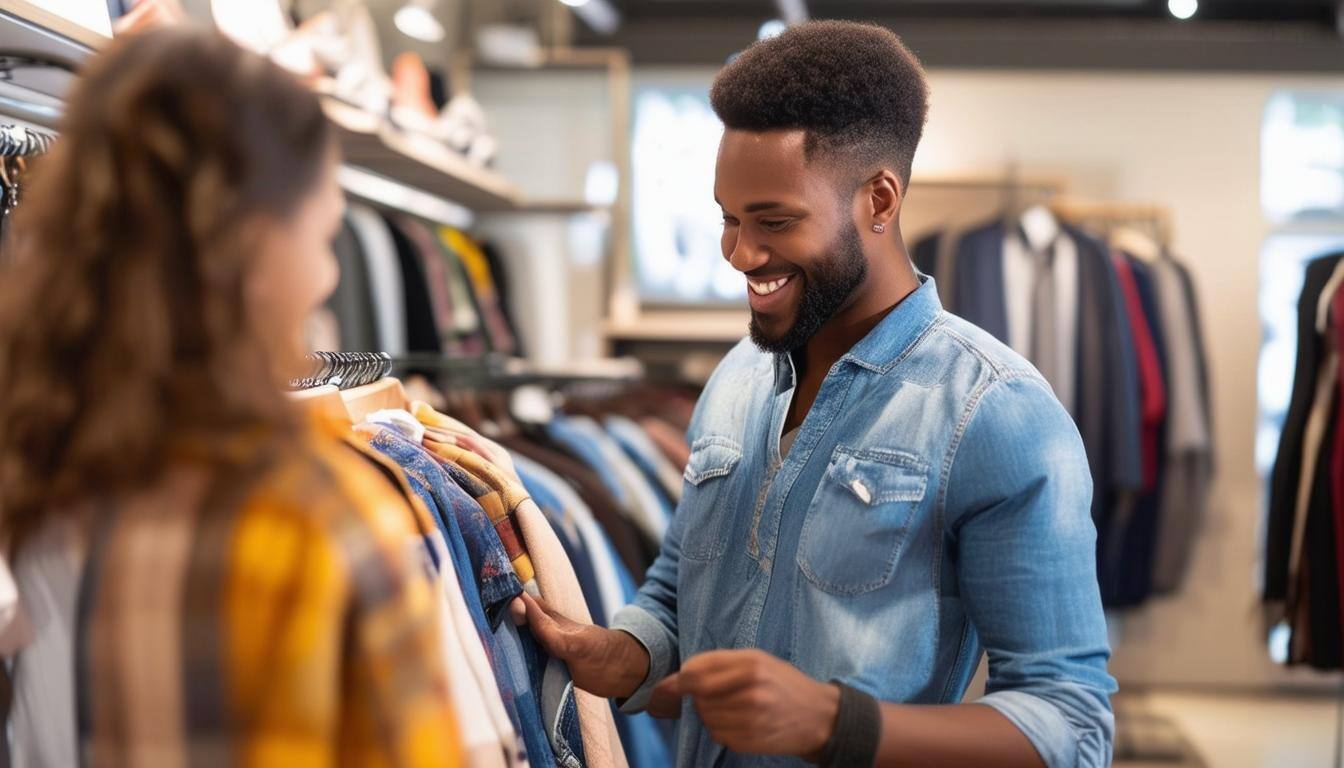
x=1012, y=184
x=1107, y=214
x=21, y=141
x=344, y=370
x=1011, y=180
x=500, y=371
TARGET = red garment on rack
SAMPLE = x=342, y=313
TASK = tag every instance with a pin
x=1152, y=387
x=1337, y=459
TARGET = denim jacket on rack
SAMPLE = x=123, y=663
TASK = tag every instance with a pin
x=508, y=656
x=934, y=504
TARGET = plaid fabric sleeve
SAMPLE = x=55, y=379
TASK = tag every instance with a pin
x=282, y=617
x=350, y=590
x=474, y=475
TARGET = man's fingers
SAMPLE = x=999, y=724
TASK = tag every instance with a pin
x=548, y=630
x=718, y=673
x=666, y=699
x=668, y=708
x=669, y=687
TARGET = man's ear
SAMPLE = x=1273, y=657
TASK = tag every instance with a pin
x=885, y=195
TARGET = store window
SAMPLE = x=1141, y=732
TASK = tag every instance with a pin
x=676, y=224
x=1302, y=192
x=1302, y=157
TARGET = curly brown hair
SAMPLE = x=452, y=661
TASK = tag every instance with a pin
x=124, y=329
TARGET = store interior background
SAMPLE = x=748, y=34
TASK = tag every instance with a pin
x=1118, y=99
x=1184, y=137
x=1113, y=100
x=1121, y=101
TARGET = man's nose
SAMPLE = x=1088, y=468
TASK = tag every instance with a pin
x=747, y=255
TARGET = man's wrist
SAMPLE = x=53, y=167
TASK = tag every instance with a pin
x=828, y=711
x=632, y=663
x=857, y=733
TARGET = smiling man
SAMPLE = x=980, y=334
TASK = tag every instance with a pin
x=878, y=492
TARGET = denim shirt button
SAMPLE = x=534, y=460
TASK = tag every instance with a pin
x=861, y=491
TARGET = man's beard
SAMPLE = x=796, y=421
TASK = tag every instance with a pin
x=829, y=285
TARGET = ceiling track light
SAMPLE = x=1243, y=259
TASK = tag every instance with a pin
x=1183, y=9
x=771, y=28
x=416, y=19
x=601, y=15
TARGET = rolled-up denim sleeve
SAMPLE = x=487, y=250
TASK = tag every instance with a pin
x=652, y=617
x=1018, y=511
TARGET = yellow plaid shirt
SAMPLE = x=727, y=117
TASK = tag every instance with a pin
x=281, y=613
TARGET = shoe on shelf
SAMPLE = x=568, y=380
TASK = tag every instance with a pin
x=462, y=127
x=412, y=106
x=337, y=51
x=259, y=25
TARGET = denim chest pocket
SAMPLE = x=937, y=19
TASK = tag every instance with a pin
x=709, y=475
x=859, y=518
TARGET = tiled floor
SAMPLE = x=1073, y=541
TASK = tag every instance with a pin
x=1233, y=731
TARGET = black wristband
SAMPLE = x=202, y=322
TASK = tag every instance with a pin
x=858, y=728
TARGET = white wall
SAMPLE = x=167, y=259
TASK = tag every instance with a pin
x=1190, y=142
x=551, y=126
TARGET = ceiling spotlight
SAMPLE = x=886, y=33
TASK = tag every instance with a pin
x=771, y=28
x=1183, y=9
x=416, y=19
x=575, y=3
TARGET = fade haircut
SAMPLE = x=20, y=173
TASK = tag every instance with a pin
x=857, y=91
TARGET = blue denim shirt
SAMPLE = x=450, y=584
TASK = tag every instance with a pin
x=935, y=504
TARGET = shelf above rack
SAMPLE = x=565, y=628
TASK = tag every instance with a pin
x=713, y=326
x=34, y=93
x=556, y=207
x=44, y=23
x=370, y=142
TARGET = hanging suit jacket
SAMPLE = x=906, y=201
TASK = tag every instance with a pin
x=1107, y=393
x=1287, y=470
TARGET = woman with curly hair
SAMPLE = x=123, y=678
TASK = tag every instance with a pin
x=208, y=575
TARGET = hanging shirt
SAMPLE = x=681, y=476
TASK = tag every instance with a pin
x=1020, y=268
x=1286, y=475
x=352, y=301
x=485, y=584
x=641, y=449
x=647, y=509
x=42, y=730
x=385, y=279
x=1153, y=390
x=558, y=585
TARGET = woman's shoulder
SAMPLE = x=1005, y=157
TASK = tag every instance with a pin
x=334, y=481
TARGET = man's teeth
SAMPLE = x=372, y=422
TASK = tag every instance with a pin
x=765, y=289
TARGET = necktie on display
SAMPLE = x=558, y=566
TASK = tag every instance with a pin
x=1044, y=336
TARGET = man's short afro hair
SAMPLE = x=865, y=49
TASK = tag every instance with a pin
x=856, y=90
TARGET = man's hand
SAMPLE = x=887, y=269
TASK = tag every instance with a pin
x=603, y=662
x=754, y=703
